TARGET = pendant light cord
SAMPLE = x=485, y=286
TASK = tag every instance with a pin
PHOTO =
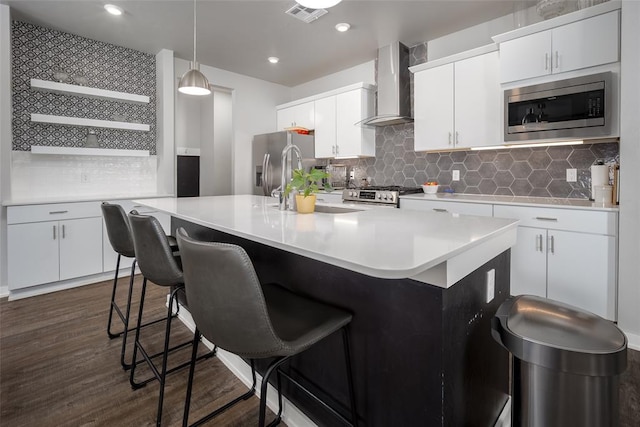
x=194, y=33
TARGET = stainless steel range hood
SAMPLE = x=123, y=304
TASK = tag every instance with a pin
x=394, y=90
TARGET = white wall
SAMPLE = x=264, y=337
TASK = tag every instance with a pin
x=365, y=72
x=188, y=121
x=221, y=181
x=165, y=123
x=629, y=242
x=254, y=112
x=5, y=136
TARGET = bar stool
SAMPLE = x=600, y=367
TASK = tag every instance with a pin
x=158, y=264
x=119, y=233
x=235, y=312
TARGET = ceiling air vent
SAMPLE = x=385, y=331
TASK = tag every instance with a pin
x=305, y=14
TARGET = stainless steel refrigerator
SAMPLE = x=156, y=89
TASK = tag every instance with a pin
x=267, y=154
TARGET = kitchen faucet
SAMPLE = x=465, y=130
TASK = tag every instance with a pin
x=283, y=203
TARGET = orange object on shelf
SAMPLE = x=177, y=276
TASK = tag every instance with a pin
x=299, y=130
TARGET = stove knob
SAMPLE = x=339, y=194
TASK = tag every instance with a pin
x=384, y=196
x=354, y=194
x=391, y=197
x=379, y=196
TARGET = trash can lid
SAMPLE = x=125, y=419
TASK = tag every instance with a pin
x=563, y=326
x=559, y=336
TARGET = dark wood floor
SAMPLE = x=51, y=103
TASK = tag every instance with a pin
x=59, y=368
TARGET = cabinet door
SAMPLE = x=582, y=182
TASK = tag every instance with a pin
x=80, y=247
x=325, y=127
x=582, y=271
x=529, y=262
x=477, y=101
x=285, y=118
x=33, y=254
x=479, y=209
x=349, y=107
x=587, y=43
x=433, y=108
x=525, y=57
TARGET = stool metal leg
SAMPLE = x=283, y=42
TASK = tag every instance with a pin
x=113, y=302
x=135, y=385
x=124, y=364
x=263, y=392
x=352, y=394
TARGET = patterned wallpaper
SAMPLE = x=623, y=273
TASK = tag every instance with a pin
x=39, y=52
x=515, y=171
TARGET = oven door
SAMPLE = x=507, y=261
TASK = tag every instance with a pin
x=573, y=108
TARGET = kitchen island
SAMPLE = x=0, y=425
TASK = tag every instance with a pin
x=416, y=283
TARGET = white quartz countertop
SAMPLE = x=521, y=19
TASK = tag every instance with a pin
x=72, y=199
x=551, y=202
x=380, y=242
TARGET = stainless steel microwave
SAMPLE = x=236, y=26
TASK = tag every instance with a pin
x=570, y=109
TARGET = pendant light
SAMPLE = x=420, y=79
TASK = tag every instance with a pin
x=193, y=82
x=318, y=4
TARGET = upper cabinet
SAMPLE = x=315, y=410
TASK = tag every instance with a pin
x=457, y=102
x=336, y=118
x=576, y=45
x=300, y=115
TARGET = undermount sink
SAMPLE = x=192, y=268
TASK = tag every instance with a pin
x=335, y=209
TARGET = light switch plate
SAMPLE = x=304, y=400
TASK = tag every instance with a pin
x=491, y=285
x=572, y=175
x=456, y=175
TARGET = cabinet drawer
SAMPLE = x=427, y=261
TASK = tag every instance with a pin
x=462, y=208
x=595, y=222
x=52, y=212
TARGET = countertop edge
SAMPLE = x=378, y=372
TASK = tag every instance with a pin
x=97, y=198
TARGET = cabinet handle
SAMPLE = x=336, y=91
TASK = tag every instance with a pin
x=546, y=61
x=449, y=138
x=457, y=137
x=333, y=149
x=552, y=244
x=557, y=62
x=440, y=210
x=63, y=232
x=54, y=232
x=546, y=218
x=57, y=212
x=538, y=242
x=337, y=149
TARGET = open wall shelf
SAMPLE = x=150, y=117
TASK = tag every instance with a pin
x=77, y=121
x=88, y=92
x=82, y=151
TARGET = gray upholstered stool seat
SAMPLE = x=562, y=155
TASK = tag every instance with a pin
x=234, y=311
x=159, y=264
x=119, y=233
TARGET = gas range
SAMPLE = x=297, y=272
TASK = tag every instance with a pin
x=378, y=195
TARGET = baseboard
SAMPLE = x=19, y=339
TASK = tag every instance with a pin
x=33, y=291
x=4, y=291
x=633, y=340
x=291, y=415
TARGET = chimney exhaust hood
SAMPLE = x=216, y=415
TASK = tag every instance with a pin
x=394, y=90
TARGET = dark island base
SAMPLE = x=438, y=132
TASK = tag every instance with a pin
x=422, y=355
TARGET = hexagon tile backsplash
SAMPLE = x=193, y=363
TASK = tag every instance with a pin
x=538, y=172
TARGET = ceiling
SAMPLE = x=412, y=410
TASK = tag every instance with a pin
x=239, y=35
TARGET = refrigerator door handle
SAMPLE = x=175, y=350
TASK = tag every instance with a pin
x=265, y=174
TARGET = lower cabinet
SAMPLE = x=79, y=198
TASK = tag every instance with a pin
x=479, y=209
x=49, y=251
x=572, y=258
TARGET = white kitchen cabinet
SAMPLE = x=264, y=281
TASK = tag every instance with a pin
x=339, y=132
x=457, y=105
x=461, y=208
x=566, y=255
x=582, y=44
x=49, y=251
x=325, y=130
x=301, y=115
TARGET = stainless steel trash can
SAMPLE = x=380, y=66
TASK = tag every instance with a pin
x=566, y=363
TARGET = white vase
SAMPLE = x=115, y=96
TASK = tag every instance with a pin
x=550, y=8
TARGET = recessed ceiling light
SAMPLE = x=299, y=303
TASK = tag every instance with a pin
x=113, y=9
x=342, y=27
x=273, y=59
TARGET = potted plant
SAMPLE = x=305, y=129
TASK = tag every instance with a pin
x=307, y=184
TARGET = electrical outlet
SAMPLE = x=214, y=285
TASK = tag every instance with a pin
x=84, y=177
x=491, y=285
x=572, y=175
x=352, y=175
x=456, y=175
